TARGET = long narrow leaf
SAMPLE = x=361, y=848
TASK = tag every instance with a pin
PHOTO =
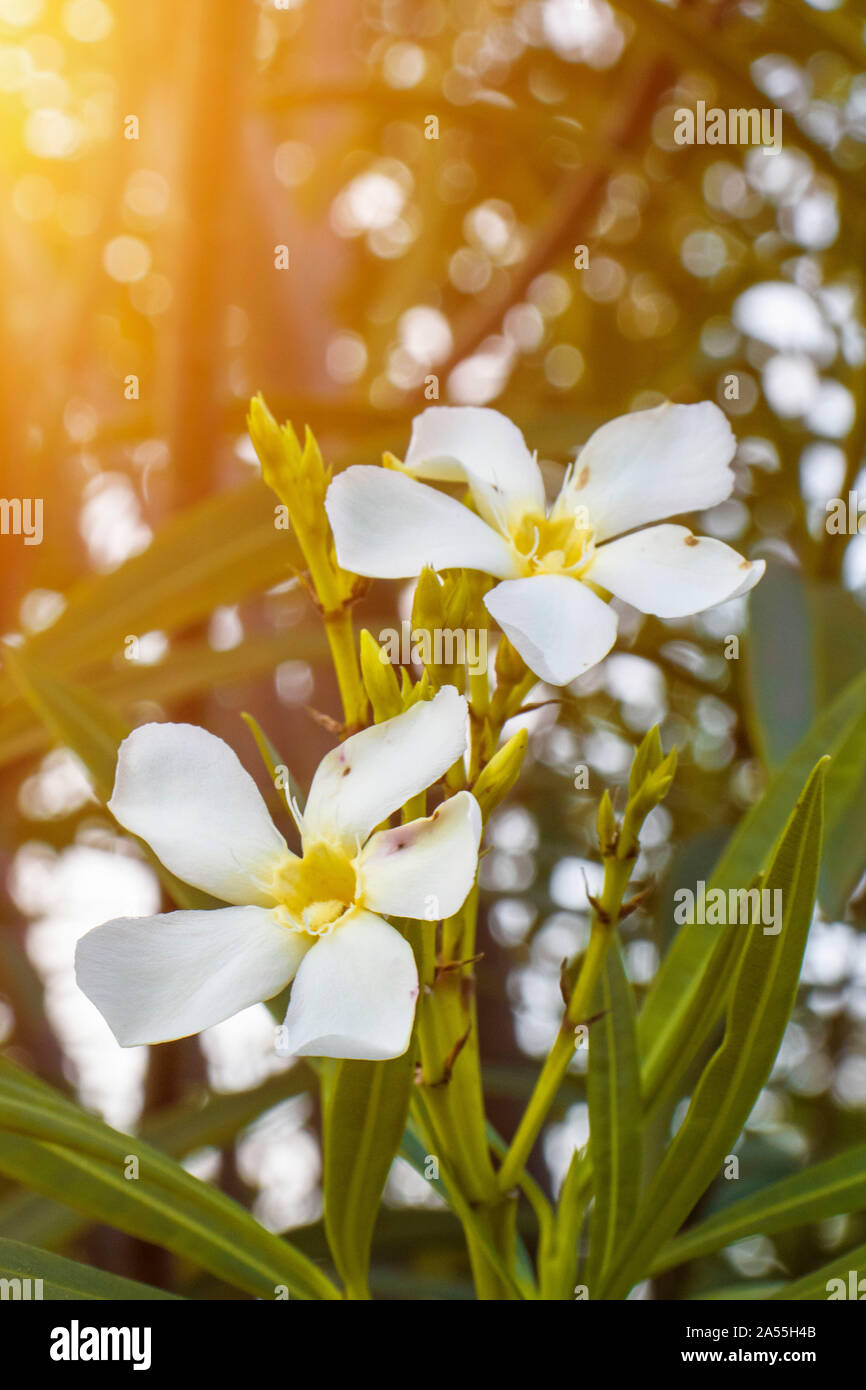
x=54, y=1147
x=62, y=1279
x=761, y=1000
x=613, y=1092
x=827, y=1189
x=665, y=1022
x=364, y=1122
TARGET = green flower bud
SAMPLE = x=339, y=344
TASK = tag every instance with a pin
x=380, y=679
x=646, y=759
x=498, y=777
x=607, y=827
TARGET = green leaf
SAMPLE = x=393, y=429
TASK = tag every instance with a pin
x=558, y=1255
x=760, y=1003
x=615, y=1118
x=285, y=785
x=214, y=553
x=364, y=1121
x=68, y=1280
x=814, y=1286
x=190, y=668
x=666, y=1023
x=756, y=1289
x=177, y=1130
x=827, y=1189
x=50, y=1144
x=845, y=844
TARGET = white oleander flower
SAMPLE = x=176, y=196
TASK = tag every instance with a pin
x=556, y=562
x=316, y=918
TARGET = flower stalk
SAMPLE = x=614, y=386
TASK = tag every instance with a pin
x=650, y=781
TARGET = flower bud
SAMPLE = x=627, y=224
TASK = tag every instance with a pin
x=653, y=788
x=606, y=826
x=646, y=759
x=498, y=777
x=380, y=680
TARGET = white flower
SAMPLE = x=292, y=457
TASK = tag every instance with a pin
x=555, y=561
x=315, y=919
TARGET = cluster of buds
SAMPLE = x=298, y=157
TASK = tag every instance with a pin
x=449, y=624
x=649, y=782
x=300, y=480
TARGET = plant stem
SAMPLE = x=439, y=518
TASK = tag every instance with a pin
x=605, y=916
x=341, y=640
x=454, y=1099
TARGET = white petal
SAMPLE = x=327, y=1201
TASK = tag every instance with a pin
x=390, y=526
x=558, y=625
x=667, y=571
x=185, y=792
x=354, y=994
x=424, y=869
x=652, y=464
x=158, y=978
x=453, y=443
x=374, y=772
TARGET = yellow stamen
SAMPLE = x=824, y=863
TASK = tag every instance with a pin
x=314, y=892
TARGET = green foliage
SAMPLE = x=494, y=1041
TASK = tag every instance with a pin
x=365, y=1116
x=762, y=996
x=54, y=1146
x=67, y=1280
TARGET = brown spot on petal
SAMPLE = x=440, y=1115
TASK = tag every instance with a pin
x=345, y=772
x=746, y=565
x=691, y=540
x=583, y=476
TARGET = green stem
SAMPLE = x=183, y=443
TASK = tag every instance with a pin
x=341, y=640
x=453, y=1101
x=605, y=916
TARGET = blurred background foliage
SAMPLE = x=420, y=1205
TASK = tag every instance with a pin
x=429, y=170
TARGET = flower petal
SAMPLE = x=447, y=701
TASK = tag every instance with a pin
x=667, y=571
x=652, y=464
x=185, y=792
x=158, y=978
x=354, y=995
x=390, y=526
x=424, y=869
x=374, y=772
x=454, y=443
x=558, y=625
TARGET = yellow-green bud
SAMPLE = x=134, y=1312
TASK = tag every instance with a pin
x=380, y=680
x=606, y=826
x=652, y=790
x=298, y=476
x=498, y=777
x=510, y=667
x=646, y=759
x=427, y=608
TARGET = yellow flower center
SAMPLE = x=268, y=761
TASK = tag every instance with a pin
x=314, y=892
x=552, y=545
